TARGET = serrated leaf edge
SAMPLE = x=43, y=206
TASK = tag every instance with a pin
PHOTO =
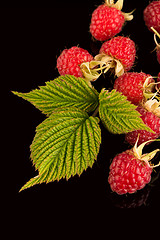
x=89, y=123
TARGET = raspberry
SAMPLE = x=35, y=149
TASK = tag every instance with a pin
x=152, y=15
x=70, y=60
x=107, y=20
x=131, y=170
x=132, y=85
x=152, y=121
x=128, y=173
x=122, y=49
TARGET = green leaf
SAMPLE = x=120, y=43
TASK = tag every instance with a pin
x=64, y=91
x=118, y=114
x=65, y=144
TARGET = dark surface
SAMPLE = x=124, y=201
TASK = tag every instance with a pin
x=31, y=40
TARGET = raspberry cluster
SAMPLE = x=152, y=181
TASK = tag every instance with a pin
x=130, y=170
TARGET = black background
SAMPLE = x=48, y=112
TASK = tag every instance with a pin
x=31, y=40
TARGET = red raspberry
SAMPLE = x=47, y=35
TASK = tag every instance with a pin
x=121, y=49
x=70, y=60
x=107, y=20
x=152, y=15
x=152, y=121
x=128, y=173
x=131, y=84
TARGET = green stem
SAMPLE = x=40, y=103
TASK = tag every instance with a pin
x=95, y=112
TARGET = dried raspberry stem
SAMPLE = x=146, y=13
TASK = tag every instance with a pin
x=147, y=156
x=90, y=70
x=156, y=34
x=151, y=102
x=148, y=88
x=156, y=165
x=95, y=112
x=119, y=5
x=109, y=2
x=153, y=106
x=101, y=64
x=128, y=16
x=110, y=62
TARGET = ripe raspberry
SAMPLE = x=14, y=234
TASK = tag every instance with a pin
x=152, y=15
x=121, y=49
x=107, y=20
x=70, y=60
x=128, y=173
x=152, y=121
x=130, y=170
x=132, y=85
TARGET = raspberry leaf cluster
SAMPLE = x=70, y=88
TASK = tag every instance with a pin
x=67, y=142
